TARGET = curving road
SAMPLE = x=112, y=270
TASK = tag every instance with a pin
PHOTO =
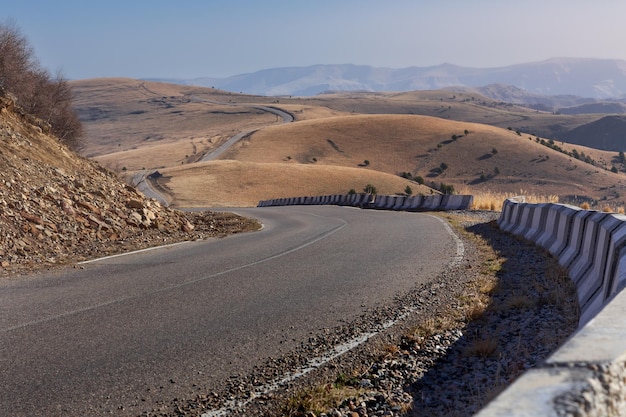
x=122, y=335
x=287, y=118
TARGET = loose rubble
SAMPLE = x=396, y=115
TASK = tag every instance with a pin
x=57, y=208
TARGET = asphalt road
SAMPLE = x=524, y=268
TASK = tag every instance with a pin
x=213, y=155
x=126, y=333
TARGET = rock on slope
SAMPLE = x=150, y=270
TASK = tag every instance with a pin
x=58, y=208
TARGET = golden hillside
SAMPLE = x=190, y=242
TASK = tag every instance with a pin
x=231, y=183
x=476, y=157
x=134, y=125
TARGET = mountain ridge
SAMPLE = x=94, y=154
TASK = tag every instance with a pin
x=583, y=77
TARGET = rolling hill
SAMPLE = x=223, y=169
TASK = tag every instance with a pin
x=340, y=141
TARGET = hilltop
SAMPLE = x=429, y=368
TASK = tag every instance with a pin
x=58, y=208
x=584, y=77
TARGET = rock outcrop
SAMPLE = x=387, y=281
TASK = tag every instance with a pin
x=58, y=208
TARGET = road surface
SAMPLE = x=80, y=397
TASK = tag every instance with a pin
x=127, y=333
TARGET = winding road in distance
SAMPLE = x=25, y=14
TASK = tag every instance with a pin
x=287, y=118
x=125, y=334
x=144, y=186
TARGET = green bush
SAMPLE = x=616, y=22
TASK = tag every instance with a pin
x=370, y=189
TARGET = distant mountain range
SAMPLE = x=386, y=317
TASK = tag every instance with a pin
x=597, y=79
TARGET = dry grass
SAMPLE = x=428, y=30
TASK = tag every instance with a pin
x=137, y=125
x=244, y=184
x=125, y=119
x=420, y=144
x=319, y=399
x=493, y=201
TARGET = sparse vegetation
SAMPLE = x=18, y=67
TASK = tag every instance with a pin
x=574, y=153
x=446, y=188
x=39, y=93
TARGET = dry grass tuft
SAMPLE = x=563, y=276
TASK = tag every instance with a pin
x=493, y=201
x=434, y=325
x=319, y=399
x=482, y=347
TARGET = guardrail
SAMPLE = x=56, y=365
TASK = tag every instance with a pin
x=587, y=375
x=380, y=202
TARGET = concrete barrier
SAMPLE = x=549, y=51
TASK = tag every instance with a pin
x=381, y=202
x=587, y=375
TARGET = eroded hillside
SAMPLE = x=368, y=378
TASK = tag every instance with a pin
x=58, y=208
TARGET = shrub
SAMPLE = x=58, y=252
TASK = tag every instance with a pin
x=36, y=91
x=408, y=190
x=352, y=191
x=418, y=179
x=446, y=189
x=370, y=189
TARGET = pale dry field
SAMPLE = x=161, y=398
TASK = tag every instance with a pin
x=146, y=124
x=243, y=184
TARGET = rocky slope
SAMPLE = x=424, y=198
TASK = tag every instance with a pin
x=58, y=208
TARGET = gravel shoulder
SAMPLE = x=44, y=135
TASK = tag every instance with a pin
x=458, y=342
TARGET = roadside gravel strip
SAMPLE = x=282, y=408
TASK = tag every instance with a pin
x=443, y=349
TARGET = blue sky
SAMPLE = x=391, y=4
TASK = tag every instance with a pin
x=217, y=38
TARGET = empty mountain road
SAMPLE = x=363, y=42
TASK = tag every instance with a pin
x=125, y=334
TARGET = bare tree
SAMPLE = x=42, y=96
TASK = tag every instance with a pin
x=36, y=91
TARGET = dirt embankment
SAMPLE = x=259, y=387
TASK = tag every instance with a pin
x=58, y=208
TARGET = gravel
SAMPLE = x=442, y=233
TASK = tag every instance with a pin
x=523, y=309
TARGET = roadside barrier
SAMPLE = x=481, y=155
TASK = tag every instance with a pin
x=587, y=375
x=435, y=202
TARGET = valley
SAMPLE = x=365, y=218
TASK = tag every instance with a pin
x=340, y=142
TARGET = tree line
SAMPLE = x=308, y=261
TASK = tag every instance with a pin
x=38, y=92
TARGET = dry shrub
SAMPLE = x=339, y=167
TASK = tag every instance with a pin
x=45, y=96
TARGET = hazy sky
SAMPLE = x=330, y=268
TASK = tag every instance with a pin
x=194, y=38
